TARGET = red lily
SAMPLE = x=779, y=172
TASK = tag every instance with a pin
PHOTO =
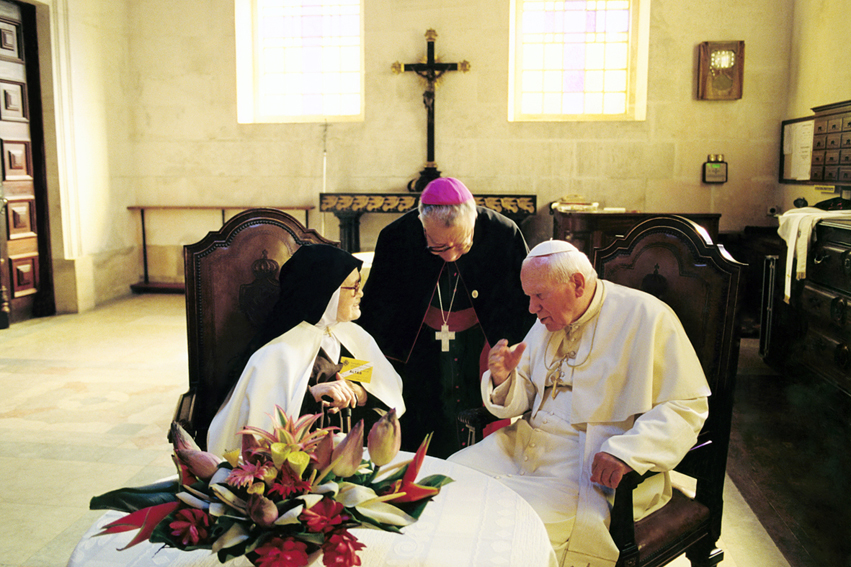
x=408, y=490
x=146, y=519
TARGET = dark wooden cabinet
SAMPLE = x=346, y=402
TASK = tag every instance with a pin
x=810, y=337
x=824, y=302
x=590, y=230
x=832, y=143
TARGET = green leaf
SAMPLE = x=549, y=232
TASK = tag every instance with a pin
x=132, y=499
x=368, y=522
x=385, y=513
x=241, y=539
x=435, y=480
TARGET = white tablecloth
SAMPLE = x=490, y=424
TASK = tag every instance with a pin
x=474, y=521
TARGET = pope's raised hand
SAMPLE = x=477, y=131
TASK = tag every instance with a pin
x=503, y=359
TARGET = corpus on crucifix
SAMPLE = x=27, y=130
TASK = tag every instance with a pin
x=431, y=70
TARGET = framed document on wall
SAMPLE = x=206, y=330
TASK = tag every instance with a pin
x=720, y=68
x=796, y=150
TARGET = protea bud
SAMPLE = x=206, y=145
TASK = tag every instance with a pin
x=323, y=452
x=180, y=439
x=348, y=454
x=261, y=510
x=200, y=463
x=385, y=439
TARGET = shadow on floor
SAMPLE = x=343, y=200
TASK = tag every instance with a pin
x=789, y=458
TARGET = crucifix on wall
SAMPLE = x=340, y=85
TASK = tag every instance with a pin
x=430, y=71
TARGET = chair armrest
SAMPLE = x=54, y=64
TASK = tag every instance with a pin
x=622, y=525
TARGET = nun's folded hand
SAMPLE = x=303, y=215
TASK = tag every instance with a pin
x=335, y=394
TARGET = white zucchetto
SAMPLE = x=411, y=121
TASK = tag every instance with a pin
x=551, y=247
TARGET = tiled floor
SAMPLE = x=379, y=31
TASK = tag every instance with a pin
x=85, y=407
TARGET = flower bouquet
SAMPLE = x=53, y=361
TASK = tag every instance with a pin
x=287, y=496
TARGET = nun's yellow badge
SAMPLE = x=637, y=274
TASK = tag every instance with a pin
x=355, y=370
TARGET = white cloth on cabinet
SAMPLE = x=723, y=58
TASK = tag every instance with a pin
x=796, y=227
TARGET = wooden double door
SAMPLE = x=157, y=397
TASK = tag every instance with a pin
x=26, y=288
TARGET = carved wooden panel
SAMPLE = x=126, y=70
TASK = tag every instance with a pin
x=24, y=275
x=16, y=161
x=522, y=205
x=12, y=101
x=9, y=40
x=20, y=219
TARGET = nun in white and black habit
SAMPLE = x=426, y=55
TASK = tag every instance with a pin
x=297, y=367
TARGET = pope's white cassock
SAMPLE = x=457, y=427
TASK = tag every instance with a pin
x=627, y=382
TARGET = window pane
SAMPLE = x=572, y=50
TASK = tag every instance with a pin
x=579, y=57
x=310, y=49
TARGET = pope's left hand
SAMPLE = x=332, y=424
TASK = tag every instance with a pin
x=608, y=470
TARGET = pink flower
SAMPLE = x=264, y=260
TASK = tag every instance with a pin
x=287, y=484
x=341, y=550
x=191, y=526
x=279, y=552
x=324, y=516
x=244, y=474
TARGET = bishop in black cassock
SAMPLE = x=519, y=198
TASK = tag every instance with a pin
x=413, y=293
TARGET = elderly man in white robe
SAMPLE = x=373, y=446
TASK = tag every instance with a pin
x=606, y=382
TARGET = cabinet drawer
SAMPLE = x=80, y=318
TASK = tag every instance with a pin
x=830, y=266
x=827, y=307
x=834, y=125
x=819, y=142
x=831, y=157
x=836, y=232
x=834, y=141
x=845, y=174
x=846, y=140
x=831, y=173
x=829, y=356
x=844, y=157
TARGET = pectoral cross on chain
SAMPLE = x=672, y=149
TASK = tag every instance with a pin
x=444, y=335
x=431, y=71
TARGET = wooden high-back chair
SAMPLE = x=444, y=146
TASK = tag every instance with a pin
x=231, y=286
x=674, y=259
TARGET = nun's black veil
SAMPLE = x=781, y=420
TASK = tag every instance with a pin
x=308, y=281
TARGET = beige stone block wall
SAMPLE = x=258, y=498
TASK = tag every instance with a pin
x=156, y=94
